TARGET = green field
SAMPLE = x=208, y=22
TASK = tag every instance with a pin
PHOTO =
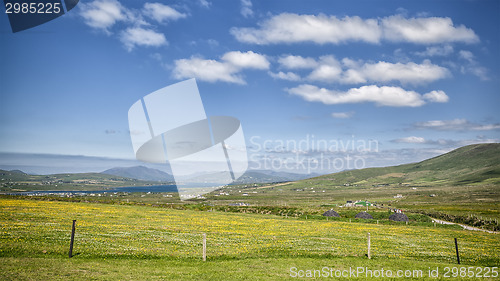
x=116, y=242
x=277, y=230
x=462, y=186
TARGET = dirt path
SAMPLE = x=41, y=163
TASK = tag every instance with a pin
x=464, y=226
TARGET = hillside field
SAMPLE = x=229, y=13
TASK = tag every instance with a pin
x=117, y=242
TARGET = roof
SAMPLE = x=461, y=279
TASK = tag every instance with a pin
x=331, y=213
x=364, y=215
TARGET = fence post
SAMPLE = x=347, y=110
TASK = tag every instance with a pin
x=456, y=248
x=369, y=245
x=204, y=246
x=72, y=239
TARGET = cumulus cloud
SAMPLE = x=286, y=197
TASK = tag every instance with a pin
x=455, y=125
x=135, y=29
x=138, y=36
x=328, y=70
x=381, y=96
x=246, y=8
x=297, y=62
x=403, y=72
x=103, y=14
x=348, y=71
x=436, y=96
x=293, y=28
x=289, y=76
x=206, y=70
x=436, y=51
x=227, y=69
x=323, y=29
x=161, y=13
x=427, y=30
x=472, y=66
x=205, y=3
x=246, y=60
x=342, y=115
x=466, y=55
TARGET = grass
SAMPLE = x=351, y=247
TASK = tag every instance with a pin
x=312, y=197
x=146, y=243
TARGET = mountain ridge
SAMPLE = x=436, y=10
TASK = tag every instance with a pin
x=139, y=173
x=472, y=164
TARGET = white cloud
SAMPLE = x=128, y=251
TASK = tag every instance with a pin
x=411, y=139
x=479, y=71
x=322, y=29
x=226, y=70
x=342, y=115
x=138, y=36
x=473, y=66
x=381, y=96
x=297, y=62
x=102, y=14
x=429, y=30
x=161, y=13
x=466, y=55
x=246, y=60
x=403, y=72
x=135, y=30
x=293, y=28
x=329, y=69
x=290, y=76
x=440, y=125
x=436, y=51
x=352, y=76
x=205, y=3
x=455, y=125
x=436, y=96
x=207, y=70
x=246, y=8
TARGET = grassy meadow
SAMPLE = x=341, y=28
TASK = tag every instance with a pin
x=115, y=242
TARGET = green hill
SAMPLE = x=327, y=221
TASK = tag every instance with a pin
x=472, y=164
x=20, y=181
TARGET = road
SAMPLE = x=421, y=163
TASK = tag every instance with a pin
x=464, y=226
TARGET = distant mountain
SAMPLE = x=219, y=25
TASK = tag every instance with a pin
x=472, y=164
x=19, y=181
x=18, y=172
x=140, y=173
x=253, y=176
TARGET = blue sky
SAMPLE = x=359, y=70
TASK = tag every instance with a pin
x=417, y=77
